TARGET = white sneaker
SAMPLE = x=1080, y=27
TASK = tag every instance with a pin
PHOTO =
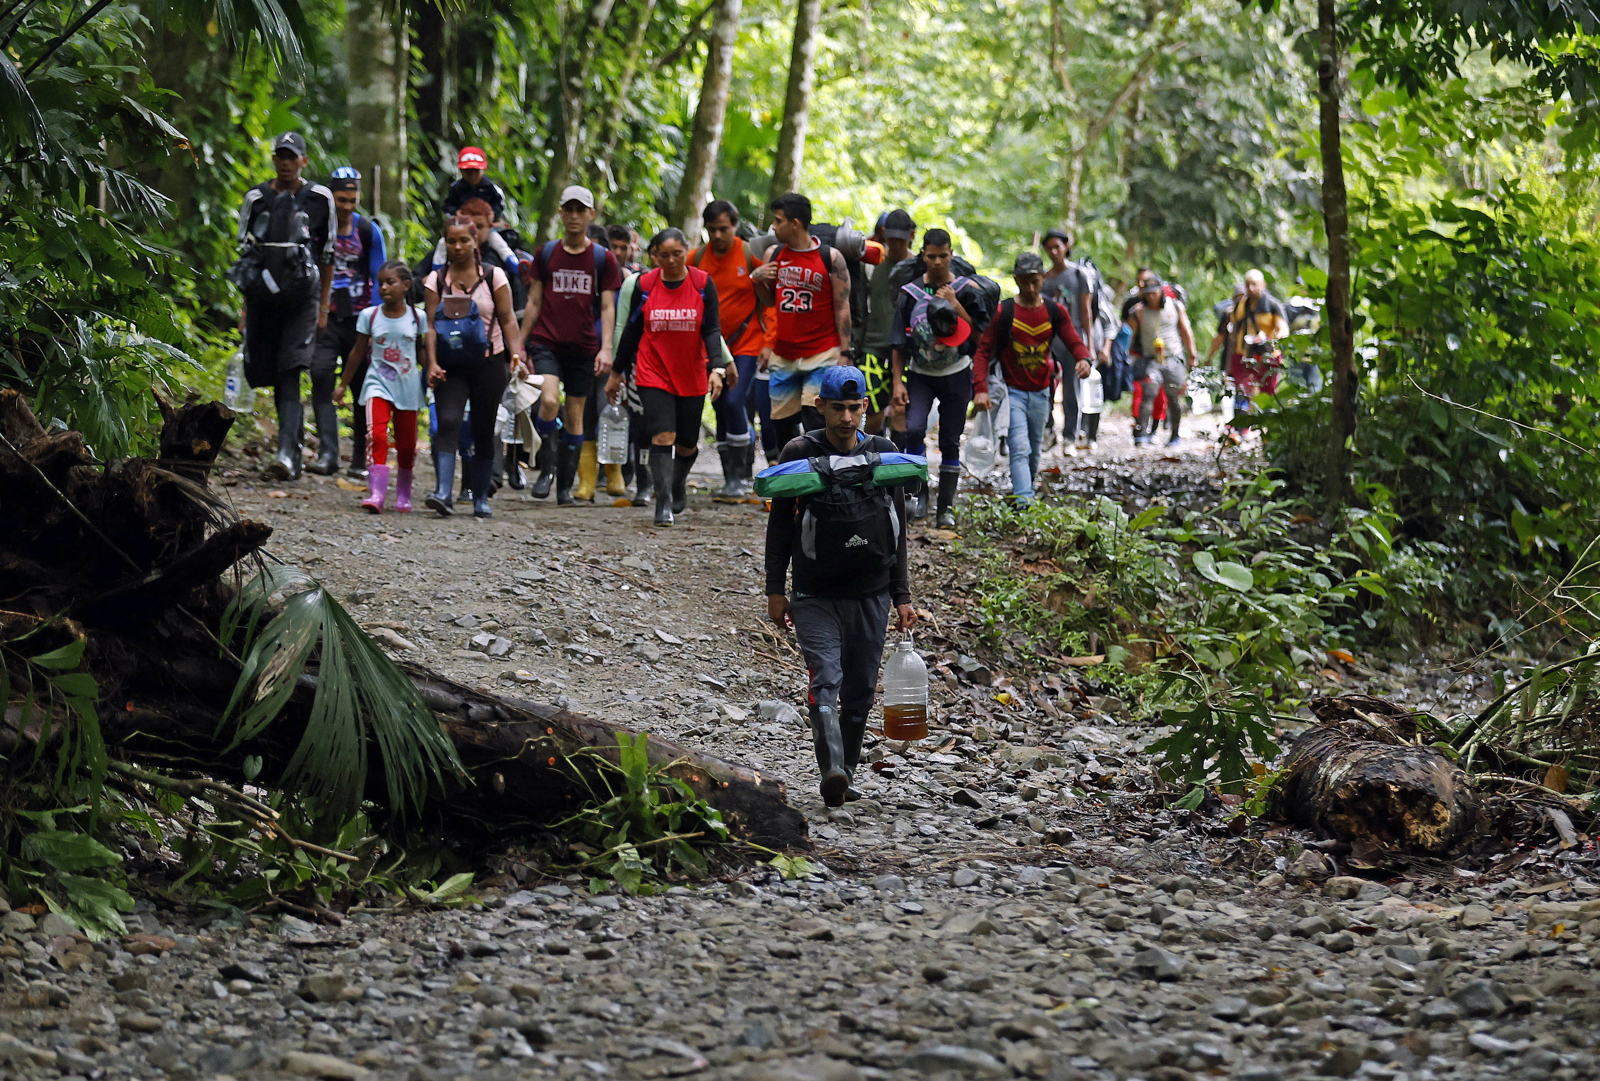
x=1070, y=452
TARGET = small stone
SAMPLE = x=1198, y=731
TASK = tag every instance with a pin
x=968, y=1061
x=1341, y=1062
x=329, y=1067
x=142, y=944
x=1481, y=998
x=1270, y=882
x=1229, y=1009
x=1310, y=864
x=54, y=925
x=41, y=993
x=966, y=797
x=1338, y=942
x=786, y=951
x=1439, y=1011
x=964, y=877
x=141, y=1022
x=599, y=953
x=1156, y=963
x=1259, y=1073
x=131, y=980
x=392, y=638
x=1310, y=927
x=1494, y=1045
x=15, y=923
x=934, y=973
x=323, y=988
x=1343, y=887
x=254, y=971
x=889, y=883
x=1476, y=916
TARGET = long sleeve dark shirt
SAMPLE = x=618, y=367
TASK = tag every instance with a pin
x=785, y=516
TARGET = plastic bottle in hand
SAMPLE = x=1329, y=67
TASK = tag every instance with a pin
x=237, y=393
x=612, y=436
x=905, y=694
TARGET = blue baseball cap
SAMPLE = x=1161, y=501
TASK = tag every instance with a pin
x=842, y=382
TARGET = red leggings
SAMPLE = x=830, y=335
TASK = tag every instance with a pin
x=379, y=410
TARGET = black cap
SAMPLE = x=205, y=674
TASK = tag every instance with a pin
x=898, y=224
x=292, y=141
x=1027, y=263
x=1152, y=284
x=1058, y=234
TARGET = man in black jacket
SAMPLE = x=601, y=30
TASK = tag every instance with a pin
x=285, y=271
x=840, y=619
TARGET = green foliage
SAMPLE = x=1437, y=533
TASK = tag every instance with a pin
x=1215, y=738
x=642, y=827
x=1252, y=593
x=793, y=867
x=362, y=698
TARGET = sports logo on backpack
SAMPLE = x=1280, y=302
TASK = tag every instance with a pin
x=849, y=531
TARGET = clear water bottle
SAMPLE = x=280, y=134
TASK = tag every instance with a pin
x=979, y=454
x=612, y=435
x=1091, y=392
x=237, y=393
x=905, y=694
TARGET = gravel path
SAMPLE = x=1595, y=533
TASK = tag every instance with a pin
x=1006, y=901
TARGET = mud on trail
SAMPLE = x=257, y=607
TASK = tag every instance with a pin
x=971, y=918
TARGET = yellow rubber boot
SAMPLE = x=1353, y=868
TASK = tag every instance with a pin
x=588, y=471
x=614, y=485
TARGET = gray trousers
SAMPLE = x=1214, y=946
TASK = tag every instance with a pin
x=843, y=645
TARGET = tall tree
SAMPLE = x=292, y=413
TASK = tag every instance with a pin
x=379, y=57
x=580, y=39
x=1336, y=217
x=790, y=160
x=705, y=142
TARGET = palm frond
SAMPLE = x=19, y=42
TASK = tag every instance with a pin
x=362, y=699
x=276, y=25
x=20, y=122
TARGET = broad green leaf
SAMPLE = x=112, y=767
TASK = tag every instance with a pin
x=68, y=851
x=68, y=656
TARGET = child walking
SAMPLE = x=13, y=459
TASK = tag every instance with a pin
x=396, y=334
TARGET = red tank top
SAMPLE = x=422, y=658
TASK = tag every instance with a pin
x=672, y=352
x=804, y=292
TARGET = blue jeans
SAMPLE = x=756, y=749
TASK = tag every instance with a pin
x=1029, y=408
x=954, y=393
x=731, y=406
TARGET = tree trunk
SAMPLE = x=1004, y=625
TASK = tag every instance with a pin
x=379, y=57
x=1336, y=218
x=1356, y=777
x=572, y=98
x=616, y=116
x=705, y=144
x=135, y=558
x=788, y=166
x=430, y=85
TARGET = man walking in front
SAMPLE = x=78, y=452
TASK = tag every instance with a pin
x=285, y=271
x=846, y=580
x=807, y=285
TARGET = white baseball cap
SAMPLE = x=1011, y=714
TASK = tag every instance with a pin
x=577, y=193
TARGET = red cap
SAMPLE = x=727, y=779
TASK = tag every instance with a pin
x=472, y=158
x=959, y=335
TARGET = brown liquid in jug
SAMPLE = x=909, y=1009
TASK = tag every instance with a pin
x=905, y=722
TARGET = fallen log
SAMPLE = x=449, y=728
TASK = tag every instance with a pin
x=140, y=559
x=1358, y=778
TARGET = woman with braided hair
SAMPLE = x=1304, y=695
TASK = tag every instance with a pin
x=471, y=361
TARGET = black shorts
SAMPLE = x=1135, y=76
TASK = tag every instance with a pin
x=879, y=385
x=572, y=365
x=665, y=411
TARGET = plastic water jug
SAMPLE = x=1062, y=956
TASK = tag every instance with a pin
x=980, y=450
x=237, y=393
x=612, y=435
x=1091, y=392
x=905, y=694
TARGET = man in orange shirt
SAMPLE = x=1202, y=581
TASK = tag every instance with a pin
x=728, y=264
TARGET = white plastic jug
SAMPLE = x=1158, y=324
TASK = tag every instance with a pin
x=612, y=435
x=980, y=451
x=237, y=393
x=1091, y=392
x=905, y=693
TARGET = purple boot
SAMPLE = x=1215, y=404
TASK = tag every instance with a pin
x=402, y=491
x=377, y=488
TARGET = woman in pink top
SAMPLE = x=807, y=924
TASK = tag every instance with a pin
x=458, y=376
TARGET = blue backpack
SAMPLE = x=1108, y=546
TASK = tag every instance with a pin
x=462, y=341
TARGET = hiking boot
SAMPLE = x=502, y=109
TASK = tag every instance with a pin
x=544, y=461
x=441, y=499
x=680, y=481
x=661, y=477
x=828, y=742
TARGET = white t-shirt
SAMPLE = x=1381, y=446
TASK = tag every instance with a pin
x=392, y=371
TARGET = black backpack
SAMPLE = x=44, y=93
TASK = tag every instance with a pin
x=908, y=270
x=277, y=261
x=849, y=534
x=828, y=237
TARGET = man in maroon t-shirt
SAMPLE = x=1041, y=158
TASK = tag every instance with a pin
x=575, y=283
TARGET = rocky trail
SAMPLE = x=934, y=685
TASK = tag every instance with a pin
x=1009, y=900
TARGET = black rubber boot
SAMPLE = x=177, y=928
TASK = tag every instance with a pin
x=545, y=462
x=949, y=481
x=566, y=471
x=497, y=477
x=641, y=476
x=747, y=466
x=680, y=481
x=661, y=477
x=731, y=457
x=327, y=415
x=917, y=505
x=514, y=474
x=287, y=463
x=853, y=730
x=482, y=486
x=828, y=742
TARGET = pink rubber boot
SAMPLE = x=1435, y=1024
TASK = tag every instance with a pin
x=377, y=488
x=402, y=491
